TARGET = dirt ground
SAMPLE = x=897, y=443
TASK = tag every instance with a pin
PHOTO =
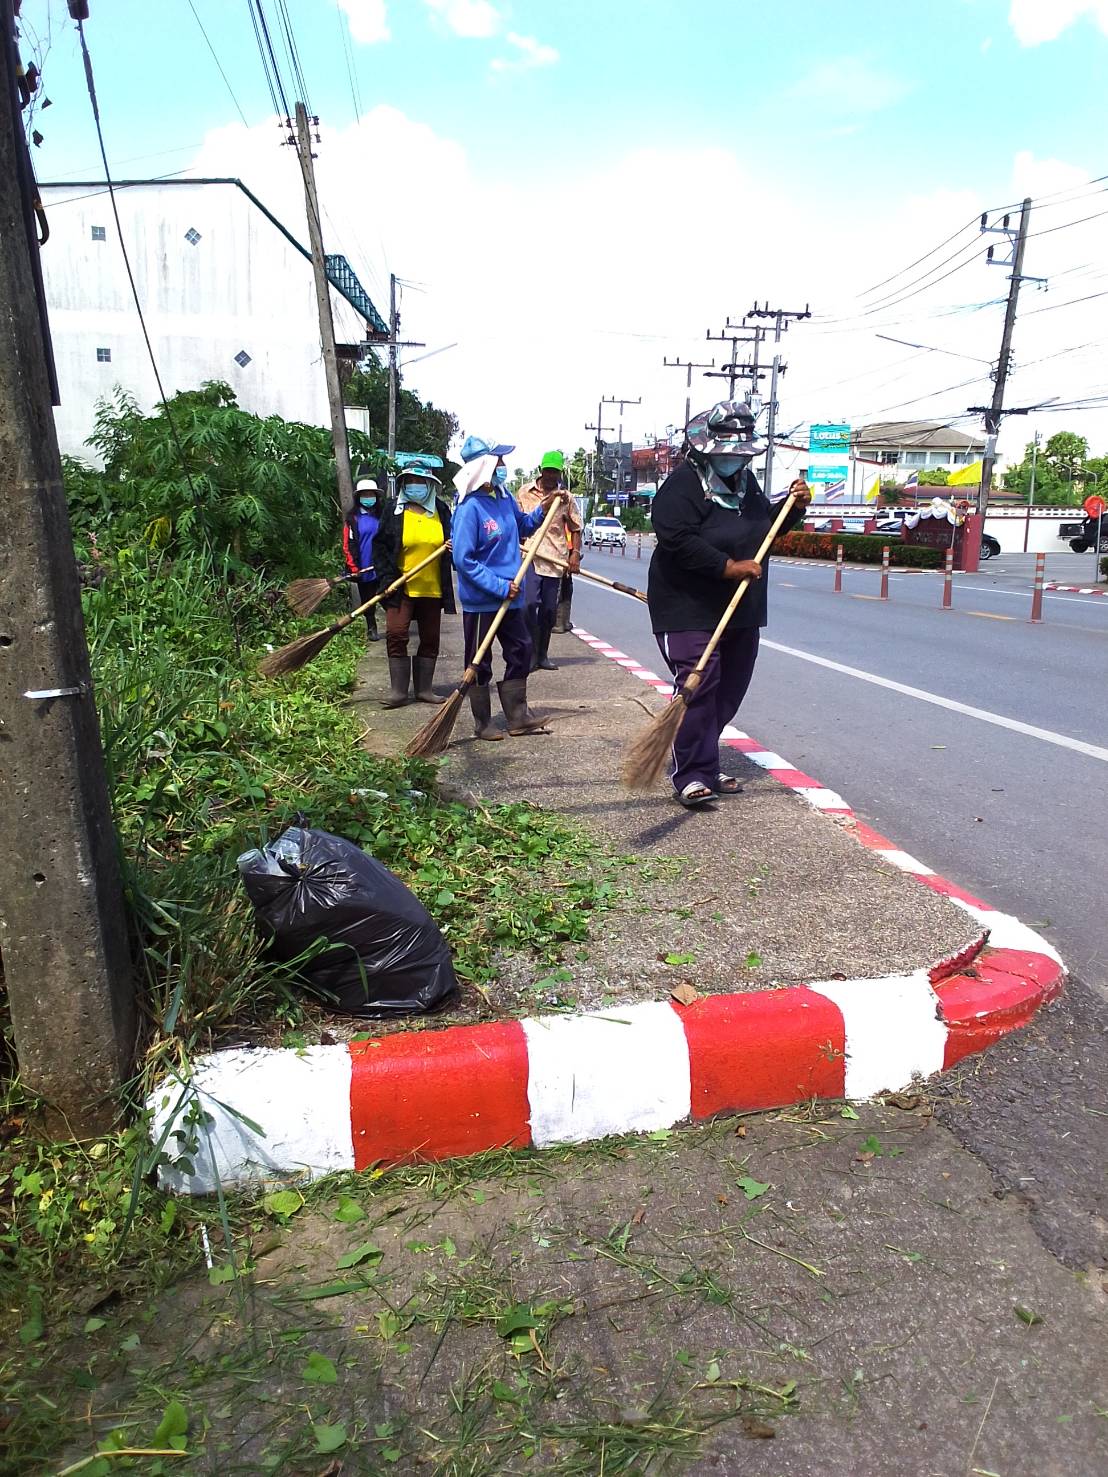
x=792, y=1294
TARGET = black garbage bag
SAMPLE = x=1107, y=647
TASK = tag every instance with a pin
x=386, y=954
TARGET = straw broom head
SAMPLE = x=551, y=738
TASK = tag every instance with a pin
x=647, y=757
x=298, y=653
x=306, y=596
x=434, y=737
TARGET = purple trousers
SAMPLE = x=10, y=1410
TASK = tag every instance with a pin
x=514, y=638
x=715, y=702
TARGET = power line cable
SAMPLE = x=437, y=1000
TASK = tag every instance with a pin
x=218, y=63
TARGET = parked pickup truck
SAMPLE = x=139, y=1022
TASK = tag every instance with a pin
x=1082, y=536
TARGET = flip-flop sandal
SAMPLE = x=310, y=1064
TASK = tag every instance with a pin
x=695, y=794
x=727, y=784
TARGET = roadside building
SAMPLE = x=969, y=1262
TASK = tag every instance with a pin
x=904, y=447
x=227, y=292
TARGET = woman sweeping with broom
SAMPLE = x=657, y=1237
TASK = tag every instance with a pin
x=415, y=526
x=711, y=519
x=488, y=527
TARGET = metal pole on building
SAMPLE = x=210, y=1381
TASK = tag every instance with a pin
x=326, y=322
x=63, y=931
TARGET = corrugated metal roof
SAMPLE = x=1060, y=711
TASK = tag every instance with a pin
x=912, y=434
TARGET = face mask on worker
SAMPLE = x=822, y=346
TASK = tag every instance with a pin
x=420, y=493
x=368, y=502
x=727, y=466
x=500, y=477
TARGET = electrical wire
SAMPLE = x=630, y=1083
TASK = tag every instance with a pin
x=173, y=431
x=218, y=63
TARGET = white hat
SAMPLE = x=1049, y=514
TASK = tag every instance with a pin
x=367, y=484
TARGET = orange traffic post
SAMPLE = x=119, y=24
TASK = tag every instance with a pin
x=948, y=580
x=838, y=569
x=885, y=572
x=1037, y=592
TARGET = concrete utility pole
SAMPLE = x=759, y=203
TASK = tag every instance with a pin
x=688, y=366
x=781, y=318
x=995, y=412
x=598, y=455
x=326, y=322
x=63, y=931
x=621, y=402
x=394, y=325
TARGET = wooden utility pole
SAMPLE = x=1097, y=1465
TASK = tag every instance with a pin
x=63, y=932
x=326, y=322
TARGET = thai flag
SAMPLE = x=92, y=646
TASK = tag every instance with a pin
x=834, y=492
x=912, y=482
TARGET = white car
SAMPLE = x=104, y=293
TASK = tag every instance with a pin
x=602, y=531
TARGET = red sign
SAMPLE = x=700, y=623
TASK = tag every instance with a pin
x=1095, y=505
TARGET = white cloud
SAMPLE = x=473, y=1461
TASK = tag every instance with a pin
x=473, y=18
x=586, y=316
x=367, y=20
x=532, y=53
x=1036, y=21
x=846, y=86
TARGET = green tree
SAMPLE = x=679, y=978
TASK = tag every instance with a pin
x=1063, y=471
x=934, y=477
x=420, y=426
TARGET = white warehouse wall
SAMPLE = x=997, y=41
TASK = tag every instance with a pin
x=243, y=286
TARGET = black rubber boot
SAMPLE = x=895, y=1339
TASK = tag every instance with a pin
x=522, y=723
x=562, y=623
x=400, y=675
x=371, y=625
x=543, y=662
x=423, y=672
x=480, y=703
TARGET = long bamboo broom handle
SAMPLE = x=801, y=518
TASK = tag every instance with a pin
x=396, y=584
x=744, y=585
x=528, y=555
x=587, y=574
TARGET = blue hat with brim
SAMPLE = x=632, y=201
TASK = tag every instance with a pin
x=474, y=447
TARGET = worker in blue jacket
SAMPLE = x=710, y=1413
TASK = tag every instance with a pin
x=486, y=532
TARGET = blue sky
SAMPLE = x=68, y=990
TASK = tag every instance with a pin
x=583, y=187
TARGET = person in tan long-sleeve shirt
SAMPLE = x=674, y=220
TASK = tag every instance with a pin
x=561, y=546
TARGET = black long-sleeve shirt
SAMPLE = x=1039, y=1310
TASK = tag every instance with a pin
x=686, y=590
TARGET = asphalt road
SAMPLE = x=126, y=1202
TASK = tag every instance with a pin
x=1011, y=801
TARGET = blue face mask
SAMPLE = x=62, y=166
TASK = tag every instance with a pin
x=500, y=477
x=368, y=503
x=727, y=466
x=421, y=493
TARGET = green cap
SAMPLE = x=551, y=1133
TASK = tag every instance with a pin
x=553, y=459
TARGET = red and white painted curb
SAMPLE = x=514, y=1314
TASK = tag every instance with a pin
x=277, y=1114
x=1075, y=589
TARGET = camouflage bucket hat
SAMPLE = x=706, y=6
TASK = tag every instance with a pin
x=725, y=430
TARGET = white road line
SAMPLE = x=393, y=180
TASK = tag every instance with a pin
x=1047, y=735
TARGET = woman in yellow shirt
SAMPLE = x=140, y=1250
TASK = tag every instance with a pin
x=414, y=526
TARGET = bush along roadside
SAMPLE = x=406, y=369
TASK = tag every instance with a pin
x=207, y=759
x=857, y=549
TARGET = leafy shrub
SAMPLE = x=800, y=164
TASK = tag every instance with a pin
x=858, y=548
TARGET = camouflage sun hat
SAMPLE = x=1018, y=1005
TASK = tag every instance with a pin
x=725, y=430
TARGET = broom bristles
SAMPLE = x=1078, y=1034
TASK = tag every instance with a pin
x=296, y=654
x=306, y=596
x=434, y=737
x=646, y=758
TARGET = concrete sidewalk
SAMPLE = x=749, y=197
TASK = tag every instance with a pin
x=759, y=888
